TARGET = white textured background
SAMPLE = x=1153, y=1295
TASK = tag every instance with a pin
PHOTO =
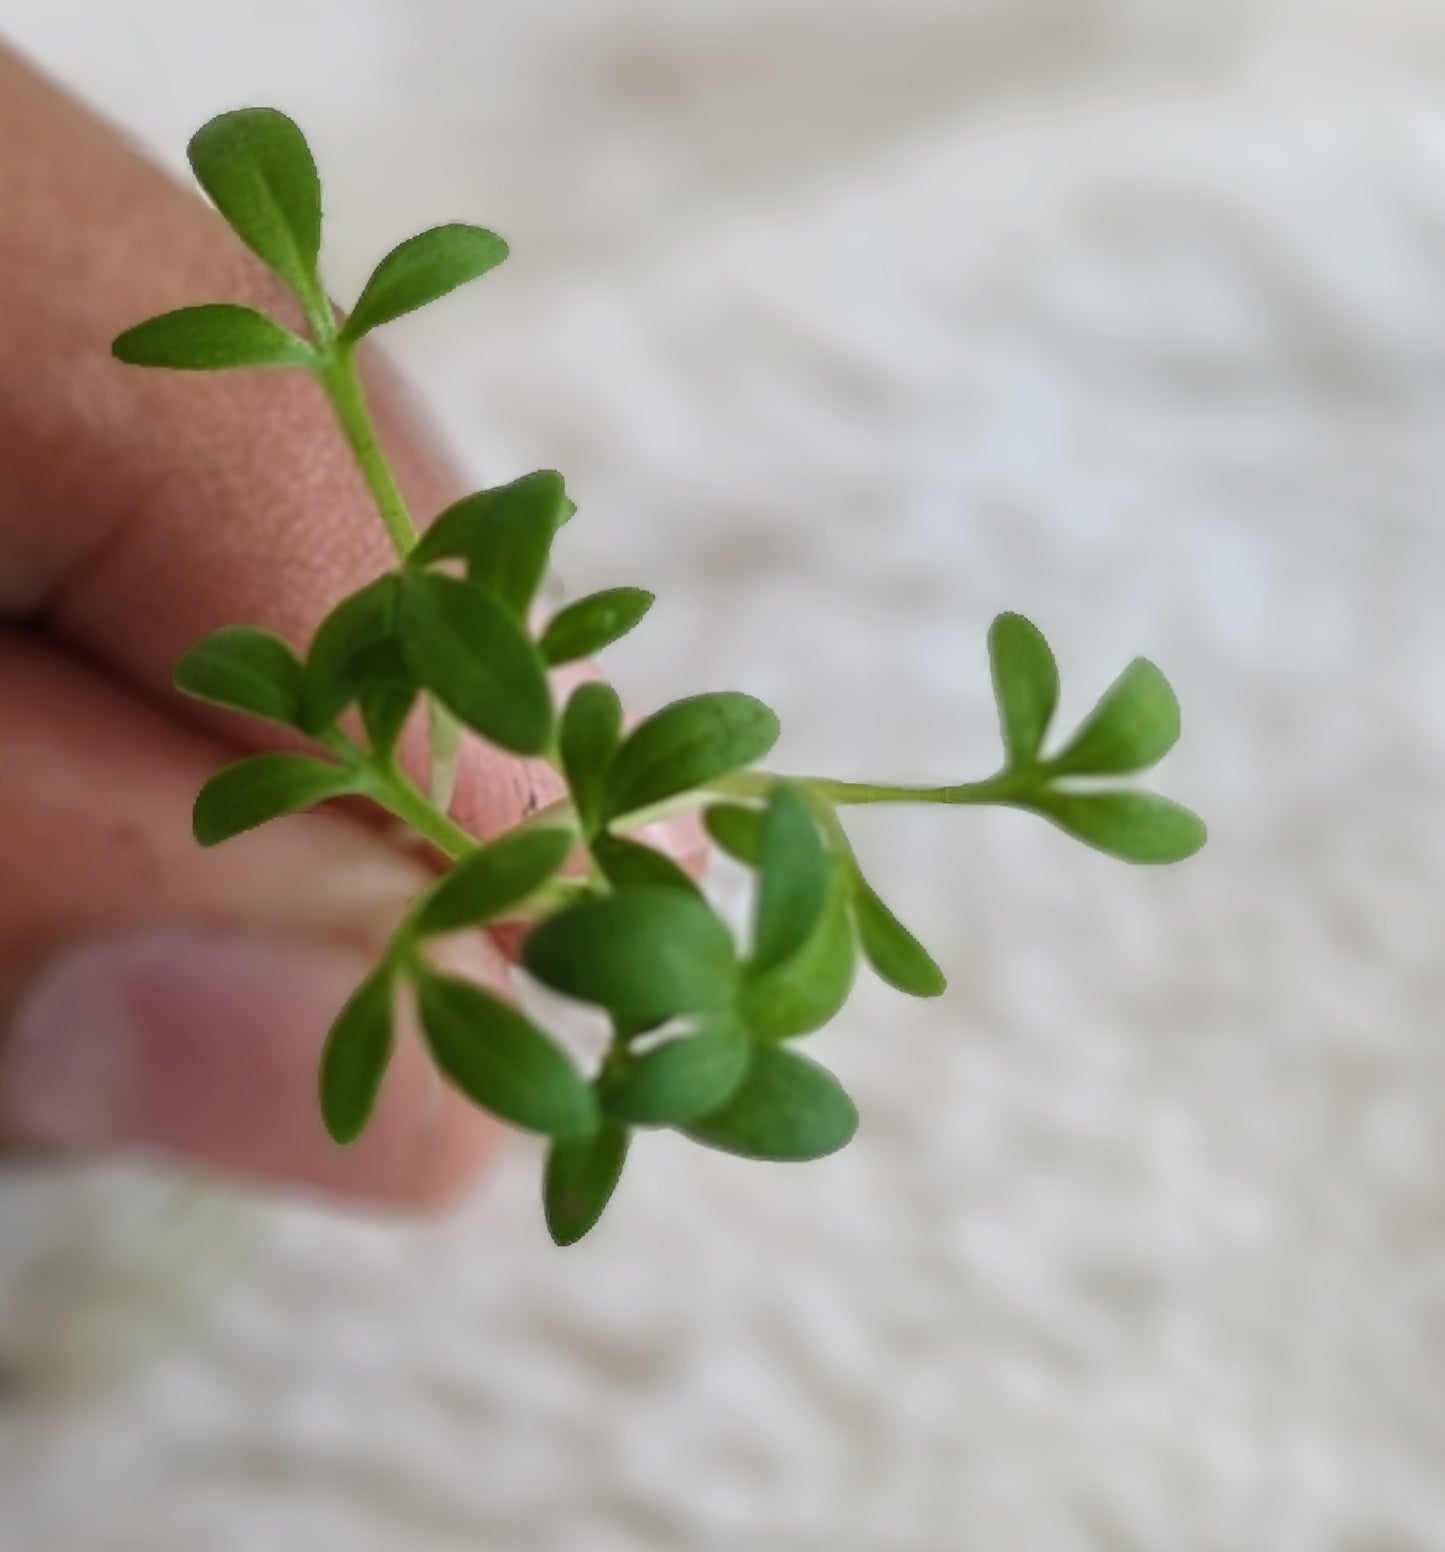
x=852, y=324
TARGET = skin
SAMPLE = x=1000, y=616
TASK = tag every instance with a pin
x=154, y=996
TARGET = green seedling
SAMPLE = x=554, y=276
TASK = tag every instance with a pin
x=703, y=1027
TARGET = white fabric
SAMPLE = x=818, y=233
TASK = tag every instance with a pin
x=852, y=325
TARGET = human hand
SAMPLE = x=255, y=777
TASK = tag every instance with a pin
x=153, y=995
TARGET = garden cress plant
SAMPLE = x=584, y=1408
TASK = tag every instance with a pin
x=704, y=1029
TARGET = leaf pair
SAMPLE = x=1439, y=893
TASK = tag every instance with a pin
x=654, y=951
x=1134, y=725
x=804, y=954
x=482, y=1045
x=259, y=173
x=724, y=1091
x=405, y=632
x=355, y=655
x=892, y=950
x=422, y=630
x=738, y=1095
x=682, y=747
x=648, y=954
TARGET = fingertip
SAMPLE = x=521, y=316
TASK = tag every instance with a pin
x=203, y=1046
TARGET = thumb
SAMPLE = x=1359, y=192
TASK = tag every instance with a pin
x=159, y=998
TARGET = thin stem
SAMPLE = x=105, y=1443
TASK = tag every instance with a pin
x=397, y=795
x=1003, y=788
x=1006, y=787
x=319, y=314
x=444, y=735
x=342, y=383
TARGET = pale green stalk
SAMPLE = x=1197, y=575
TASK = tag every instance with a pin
x=342, y=382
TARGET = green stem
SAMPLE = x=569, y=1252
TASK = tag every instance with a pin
x=1003, y=788
x=1006, y=787
x=397, y=795
x=342, y=383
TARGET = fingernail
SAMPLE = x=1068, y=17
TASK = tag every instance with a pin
x=117, y=1036
x=69, y=1063
x=205, y=1044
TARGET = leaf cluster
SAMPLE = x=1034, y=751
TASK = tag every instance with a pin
x=704, y=1020
x=1135, y=723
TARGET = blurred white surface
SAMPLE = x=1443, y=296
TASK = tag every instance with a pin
x=852, y=325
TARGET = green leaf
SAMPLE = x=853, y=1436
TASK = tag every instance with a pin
x=1025, y=684
x=211, y=338
x=1135, y=826
x=795, y=874
x=737, y=829
x=244, y=669
x=504, y=535
x=422, y=269
x=264, y=787
x=386, y=704
x=1134, y=726
x=645, y=953
x=686, y=745
x=787, y=1109
x=624, y=862
x=683, y=1079
x=354, y=647
x=892, y=950
x=582, y=1173
x=465, y=648
x=483, y=886
x=591, y=731
x=498, y=1058
x=805, y=991
x=357, y=1053
x=592, y=623
x=258, y=170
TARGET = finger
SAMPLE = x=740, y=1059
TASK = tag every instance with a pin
x=161, y=997
x=140, y=510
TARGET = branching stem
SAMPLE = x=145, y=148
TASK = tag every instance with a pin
x=342, y=382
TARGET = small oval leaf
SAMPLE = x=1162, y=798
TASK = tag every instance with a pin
x=244, y=669
x=1025, y=685
x=737, y=829
x=806, y=990
x=420, y=270
x=501, y=1060
x=624, y=862
x=1134, y=826
x=683, y=1079
x=354, y=647
x=582, y=1173
x=504, y=535
x=794, y=878
x=463, y=646
x=892, y=950
x=356, y=1057
x=258, y=170
x=645, y=953
x=386, y=704
x=211, y=338
x=265, y=787
x=1135, y=724
x=686, y=745
x=787, y=1110
x=590, y=734
x=485, y=885
x=592, y=623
